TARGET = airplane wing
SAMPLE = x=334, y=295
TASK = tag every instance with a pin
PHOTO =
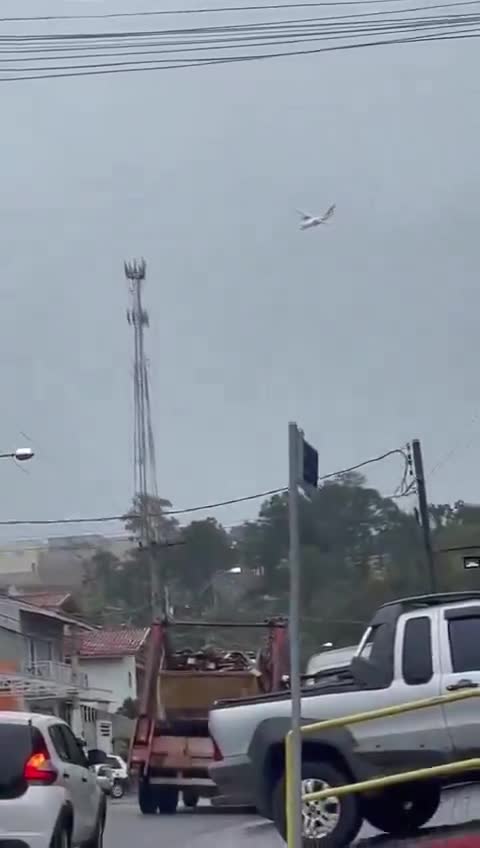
x=304, y=215
x=328, y=214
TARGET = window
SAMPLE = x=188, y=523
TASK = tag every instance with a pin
x=67, y=746
x=31, y=653
x=59, y=742
x=375, y=643
x=417, y=665
x=17, y=743
x=365, y=646
x=76, y=754
x=464, y=635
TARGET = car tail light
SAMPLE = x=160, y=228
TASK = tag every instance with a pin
x=39, y=769
x=217, y=754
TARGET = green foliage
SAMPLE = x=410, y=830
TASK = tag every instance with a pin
x=358, y=549
x=149, y=515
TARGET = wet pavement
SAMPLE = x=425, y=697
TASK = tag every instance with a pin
x=208, y=828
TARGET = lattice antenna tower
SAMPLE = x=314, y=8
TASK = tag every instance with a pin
x=145, y=469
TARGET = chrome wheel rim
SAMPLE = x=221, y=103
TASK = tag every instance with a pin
x=319, y=818
x=117, y=790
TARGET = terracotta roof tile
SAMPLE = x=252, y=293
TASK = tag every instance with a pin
x=111, y=643
x=49, y=600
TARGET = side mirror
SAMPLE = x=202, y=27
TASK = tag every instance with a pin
x=81, y=742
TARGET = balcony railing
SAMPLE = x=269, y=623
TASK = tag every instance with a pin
x=56, y=672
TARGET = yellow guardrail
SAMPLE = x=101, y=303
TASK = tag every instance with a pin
x=377, y=782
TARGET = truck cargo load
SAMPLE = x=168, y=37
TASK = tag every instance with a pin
x=171, y=749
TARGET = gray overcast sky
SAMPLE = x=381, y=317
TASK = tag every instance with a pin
x=365, y=332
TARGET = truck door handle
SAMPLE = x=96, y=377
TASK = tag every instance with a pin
x=66, y=774
x=462, y=684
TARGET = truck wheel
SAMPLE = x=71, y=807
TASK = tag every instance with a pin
x=147, y=799
x=190, y=798
x=404, y=809
x=334, y=821
x=166, y=798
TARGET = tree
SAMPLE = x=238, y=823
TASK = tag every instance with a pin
x=358, y=550
x=160, y=526
x=203, y=549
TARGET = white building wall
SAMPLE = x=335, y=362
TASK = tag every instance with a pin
x=116, y=674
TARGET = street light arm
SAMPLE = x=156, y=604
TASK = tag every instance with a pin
x=20, y=454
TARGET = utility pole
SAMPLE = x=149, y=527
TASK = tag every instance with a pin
x=145, y=471
x=423, y=511
x=294, y=812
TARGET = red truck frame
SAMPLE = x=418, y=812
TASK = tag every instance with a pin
x=168, y=758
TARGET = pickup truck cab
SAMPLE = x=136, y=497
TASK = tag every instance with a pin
x=414, y=648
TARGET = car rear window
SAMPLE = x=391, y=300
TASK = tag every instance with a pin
x=17, y=743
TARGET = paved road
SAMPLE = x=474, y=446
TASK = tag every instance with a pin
x=206, y=828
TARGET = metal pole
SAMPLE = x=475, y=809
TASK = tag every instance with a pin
x=294, y=808
x=423, y=511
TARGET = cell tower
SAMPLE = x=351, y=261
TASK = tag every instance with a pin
x=145, y=470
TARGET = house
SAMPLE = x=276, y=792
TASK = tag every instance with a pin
x=35, y=673
x=58, y=600
x=57, y=561
x=113, y=659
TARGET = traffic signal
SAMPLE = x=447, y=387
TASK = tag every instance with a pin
x=310, y=465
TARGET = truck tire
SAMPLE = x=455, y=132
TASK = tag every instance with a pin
x=147, y=799
x=335, y=822
x=166, y=798
x=404, y=809
x=190, y=798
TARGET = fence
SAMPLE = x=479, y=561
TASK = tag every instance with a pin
x=377, y=782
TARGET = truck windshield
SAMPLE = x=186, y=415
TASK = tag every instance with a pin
x=365, y=646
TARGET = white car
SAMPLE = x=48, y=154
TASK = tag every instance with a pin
x=49, y=798
x=118, y=766
x=119, y=772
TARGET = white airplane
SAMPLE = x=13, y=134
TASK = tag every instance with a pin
x=315, y=220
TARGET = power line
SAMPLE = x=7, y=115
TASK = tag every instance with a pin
x=328, y=32
x=460, y=444
x=125, y=516
x=76, y=71
x=284, y=31
x=256, y=26
x=202, y=507
x=394, y=452
x=205, y=10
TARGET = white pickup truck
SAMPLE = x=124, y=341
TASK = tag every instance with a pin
x=414, y=648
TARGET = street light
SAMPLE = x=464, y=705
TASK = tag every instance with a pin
x=20, y=454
